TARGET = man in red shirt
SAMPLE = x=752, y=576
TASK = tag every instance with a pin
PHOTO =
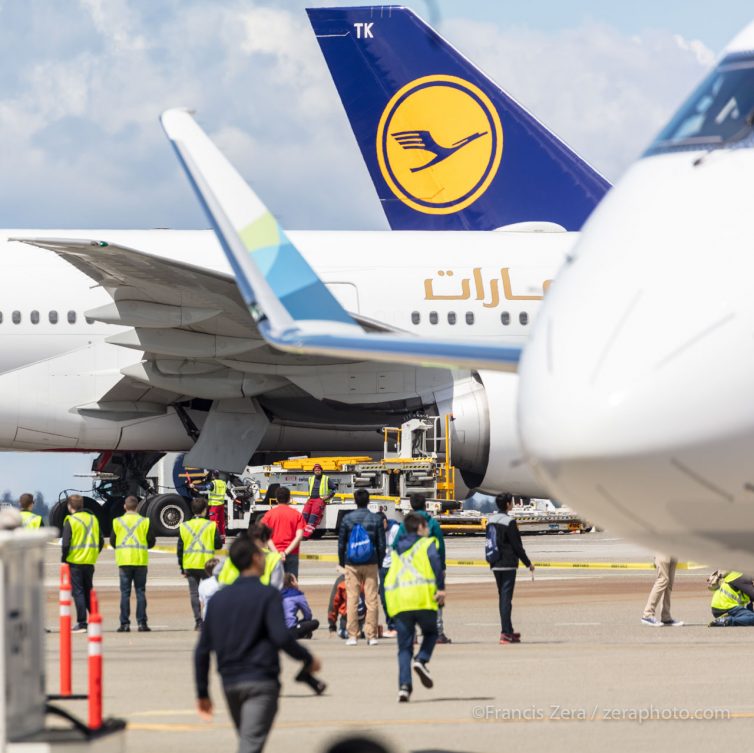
x=287, y=527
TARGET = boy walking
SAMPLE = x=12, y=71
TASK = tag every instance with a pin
x=414, y=589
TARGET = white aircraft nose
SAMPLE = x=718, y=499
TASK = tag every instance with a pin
x=637, y=388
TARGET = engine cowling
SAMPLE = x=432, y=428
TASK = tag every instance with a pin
x=484, y=432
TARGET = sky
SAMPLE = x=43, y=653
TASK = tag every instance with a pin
x=83, y=84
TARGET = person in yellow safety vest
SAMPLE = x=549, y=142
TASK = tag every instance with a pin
x=131, y=538
x=321, y=491
x=273, y=575
x=732, y=601
x=216, y=490
x=414, y=588
x=81, y=544
x=197, y=542
x=28, y=518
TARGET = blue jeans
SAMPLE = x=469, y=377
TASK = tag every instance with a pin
x=138, y=576
x=506, y=582
x=389, y=622
x=740, y=617
x=406, y=624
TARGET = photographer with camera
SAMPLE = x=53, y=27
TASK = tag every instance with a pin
x=245, y=628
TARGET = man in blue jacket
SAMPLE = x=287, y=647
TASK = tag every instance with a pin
x=361, y=549
x=419, y=504
x=245, y=628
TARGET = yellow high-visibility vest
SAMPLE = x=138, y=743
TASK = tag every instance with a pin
x=410, y=582
x=198, y=537
x=131, y=531
x=217, y=493
x=30, y=519
x=324, y=486
x=229, y=572
x=84, y=538
x=726, y=597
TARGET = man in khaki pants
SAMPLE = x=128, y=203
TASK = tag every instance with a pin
x=361, y=547
x=660, y=594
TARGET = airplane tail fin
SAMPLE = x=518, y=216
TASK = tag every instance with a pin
x=446, y=148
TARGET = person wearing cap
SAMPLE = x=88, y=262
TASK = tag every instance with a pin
x=321, y=490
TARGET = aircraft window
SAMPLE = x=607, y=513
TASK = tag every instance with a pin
x=433, y=317
x=53, y=317
x=451, y=317
x=1, y=317
x=469, y=317
x=505, y=318
x=89, y=320
x=16, y=317
x=35, y=317
x=71, y=317
x=720, y=111
x=523, y=318
x=415, y=317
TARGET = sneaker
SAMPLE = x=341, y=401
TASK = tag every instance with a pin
x=144, y=628
x=79, y=627
x=509, y=638
x=373, y=642
x=390, y=634
x=422, y=670
x=672, y=623
x=124, y=629
x=442, y=638
x=651, y=621
x=718, y=622
x=352, y=642
x=404, y=694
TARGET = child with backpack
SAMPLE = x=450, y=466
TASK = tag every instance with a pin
x=361, y=549
x=337, y=611
x=503, y=549
x=295, y=603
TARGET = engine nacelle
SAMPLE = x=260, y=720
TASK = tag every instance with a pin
x=484, y=432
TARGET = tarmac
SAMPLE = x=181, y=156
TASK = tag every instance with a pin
x=587, y=674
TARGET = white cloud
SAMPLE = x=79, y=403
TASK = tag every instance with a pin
x=604, y=93
x=79, y=107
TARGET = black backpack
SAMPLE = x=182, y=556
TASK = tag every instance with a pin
x=492, y=551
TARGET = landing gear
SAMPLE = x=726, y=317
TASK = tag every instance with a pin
x=120, y=474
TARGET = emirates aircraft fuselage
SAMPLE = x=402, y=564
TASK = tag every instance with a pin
x=55, y=360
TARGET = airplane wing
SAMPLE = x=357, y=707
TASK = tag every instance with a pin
x=292, y=307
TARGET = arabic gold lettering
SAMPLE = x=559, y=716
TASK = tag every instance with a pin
x=495, y=300
x=430, y=295
x=508, y=289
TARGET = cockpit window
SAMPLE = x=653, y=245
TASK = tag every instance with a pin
x=720, y=111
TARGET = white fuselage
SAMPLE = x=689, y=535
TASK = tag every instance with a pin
x=637, y=401
x=466, y=285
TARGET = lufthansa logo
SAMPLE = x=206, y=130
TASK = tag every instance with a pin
x=439, y=144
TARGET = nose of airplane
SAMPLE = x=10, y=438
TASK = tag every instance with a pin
x=636, y=403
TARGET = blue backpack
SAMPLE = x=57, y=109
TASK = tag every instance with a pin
x=360, y=548
x=491, y=547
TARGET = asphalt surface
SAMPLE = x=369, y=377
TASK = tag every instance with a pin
x=587, y=675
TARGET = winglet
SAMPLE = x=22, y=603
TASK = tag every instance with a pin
x=273, y=277
x=294, y=309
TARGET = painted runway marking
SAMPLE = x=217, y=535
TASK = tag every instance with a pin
x=362, y=724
